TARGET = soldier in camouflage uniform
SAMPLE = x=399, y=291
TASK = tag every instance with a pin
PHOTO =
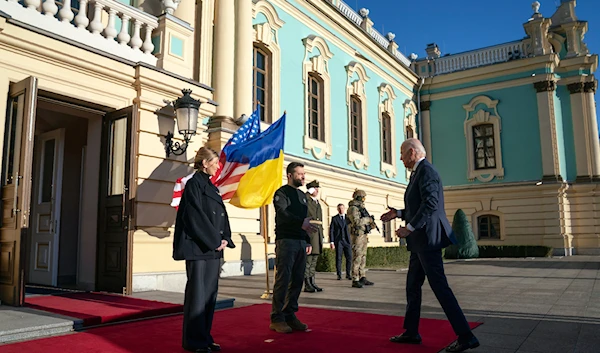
x=361, y=224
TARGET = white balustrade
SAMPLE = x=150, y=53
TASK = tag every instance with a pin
x=97, y=27
x=349, y=13
x=477, y=58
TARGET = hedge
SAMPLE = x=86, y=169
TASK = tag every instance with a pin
x=398, y=256
x=377, y=257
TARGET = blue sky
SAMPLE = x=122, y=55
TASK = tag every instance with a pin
x=462, y=25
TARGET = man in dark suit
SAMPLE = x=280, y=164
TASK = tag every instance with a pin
x=339, y=239
x=427, y=232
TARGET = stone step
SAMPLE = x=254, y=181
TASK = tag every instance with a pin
x=17, y=324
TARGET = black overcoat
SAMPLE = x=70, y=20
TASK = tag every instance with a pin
x=202, y=221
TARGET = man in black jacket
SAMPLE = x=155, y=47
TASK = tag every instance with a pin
x=339, y=239
x=292, y=244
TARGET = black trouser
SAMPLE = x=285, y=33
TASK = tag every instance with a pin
x=345, y=249
x=200, y=301
x=290, y=261
x=429, y=263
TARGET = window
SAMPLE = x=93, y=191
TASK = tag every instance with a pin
x=261, y=92
x=316, y=124
x=386, y=138
x=482, y=133
x=317, y=97
x=356, y=127
x=489, y=227
x=387, y=128
x=387, y=231
x=409, y=132
x=356, y=101
x=483, y=141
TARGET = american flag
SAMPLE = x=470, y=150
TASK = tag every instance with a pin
x=229, y=174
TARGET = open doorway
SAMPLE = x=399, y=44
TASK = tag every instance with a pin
x=54, y=242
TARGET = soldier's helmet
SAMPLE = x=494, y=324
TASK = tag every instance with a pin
x=359, y=195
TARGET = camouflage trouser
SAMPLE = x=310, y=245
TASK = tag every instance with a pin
x=359, y=256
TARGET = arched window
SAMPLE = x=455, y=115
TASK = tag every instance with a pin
x=409, y=132
x=386, y=138
x=316, y=116
x=356, y=128
x=488, y=227
x=261, y=81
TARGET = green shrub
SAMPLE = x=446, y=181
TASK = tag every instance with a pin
x=377, y=257
x=466, y=247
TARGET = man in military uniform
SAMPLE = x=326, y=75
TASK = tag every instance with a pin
x=315, y=213
x=361, y=224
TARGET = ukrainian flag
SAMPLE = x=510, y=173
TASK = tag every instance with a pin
x=263, y=158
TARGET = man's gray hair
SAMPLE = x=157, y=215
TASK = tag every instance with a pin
x=416, y=145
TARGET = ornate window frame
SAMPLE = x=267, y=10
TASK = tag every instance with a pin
x=317, y=64
x=475, y=224
x=356, y=87
x=474, y=118
x=410, y=120
x=387, y=96
x=266, y=36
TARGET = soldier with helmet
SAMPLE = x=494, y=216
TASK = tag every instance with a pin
x=361, y=223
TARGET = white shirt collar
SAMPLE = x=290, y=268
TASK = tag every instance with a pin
x=417, y=164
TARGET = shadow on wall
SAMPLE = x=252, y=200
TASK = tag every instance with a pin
x=246, y=262
x=155, y=215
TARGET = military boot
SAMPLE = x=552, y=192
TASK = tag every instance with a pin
x=280, y=327
x=357, y=284
x=366, y=282
x=312, y=281
x=308, y=286
x=297, y=325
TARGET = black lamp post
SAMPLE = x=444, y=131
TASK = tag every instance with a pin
x=186, y=111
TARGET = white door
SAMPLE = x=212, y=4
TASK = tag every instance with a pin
x=45, y=218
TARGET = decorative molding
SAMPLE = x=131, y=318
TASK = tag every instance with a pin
x=483, y=117
x=576, y=87
x=356, y=87
x=590, y=87
x=545, y=86
x=548, y=132
x=410, y=114
x=386, y=105
x=267, y=34
x=270, y=13
x=425, y=106
x=317, y=64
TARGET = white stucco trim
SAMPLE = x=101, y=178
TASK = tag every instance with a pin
x=356, y=87
x=387, y=96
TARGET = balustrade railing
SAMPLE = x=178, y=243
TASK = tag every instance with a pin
x=481, y=57
x=107, y=25
x=353, y=16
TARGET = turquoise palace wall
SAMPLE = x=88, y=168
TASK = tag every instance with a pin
x=292, y=97
x=520, y=135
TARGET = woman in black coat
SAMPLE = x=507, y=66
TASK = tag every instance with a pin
x=201, y=233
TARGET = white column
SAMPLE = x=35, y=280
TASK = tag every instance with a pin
x=426, y=129
x=585, y=130
x=547, y=120
x=224, y=57
x=243, y=58
x=204, y=59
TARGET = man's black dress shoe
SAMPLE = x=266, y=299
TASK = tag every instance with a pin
x=199, y=350
x=339, y=277
x=403, y=338
x=457, y=346
x=349, y=277
x=215, y=347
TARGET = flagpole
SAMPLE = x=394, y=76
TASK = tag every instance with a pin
x=264, y=230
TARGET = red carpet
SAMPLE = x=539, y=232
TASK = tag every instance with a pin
x=246, y=330
x=99, y=308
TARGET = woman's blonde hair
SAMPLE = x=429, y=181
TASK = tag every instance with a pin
x=203, y=154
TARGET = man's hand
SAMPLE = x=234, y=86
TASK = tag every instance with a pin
x=389, y=215
x=223, y=245
x=308, y=249
x=331, y=245
x=402, y=232
x=309, y=228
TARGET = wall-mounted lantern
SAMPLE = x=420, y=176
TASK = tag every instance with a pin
x=186, y=112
